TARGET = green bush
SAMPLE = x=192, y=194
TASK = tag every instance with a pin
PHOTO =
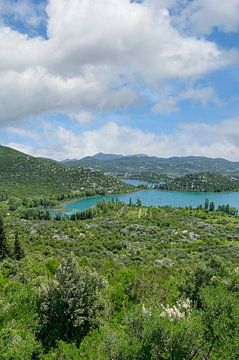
x=70, y=305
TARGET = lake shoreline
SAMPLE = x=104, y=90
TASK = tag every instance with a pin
x=155, y=198
x=141, y=184
x=61, y=206
x=151, y=196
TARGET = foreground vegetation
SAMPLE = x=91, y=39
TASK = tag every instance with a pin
x=129, y=283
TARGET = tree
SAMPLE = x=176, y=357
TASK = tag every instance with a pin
x=227, y=209
x=71, y=305
x=4, y=251
x=18, y=250
x=195, y=281
x=211, y=206
x=206, y=204
x=138, y=202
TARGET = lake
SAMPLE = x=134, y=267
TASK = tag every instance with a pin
x=134, y=182
x=160, y=198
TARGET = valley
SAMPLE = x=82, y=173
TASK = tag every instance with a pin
x=119, y=180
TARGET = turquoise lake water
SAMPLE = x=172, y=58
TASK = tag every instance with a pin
x=160, y=198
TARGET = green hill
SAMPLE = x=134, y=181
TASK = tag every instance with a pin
x=203, y=182
x=142, y=166
x=21, y=174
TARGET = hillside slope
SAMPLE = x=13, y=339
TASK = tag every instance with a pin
x=27, y=175
x=202, y=182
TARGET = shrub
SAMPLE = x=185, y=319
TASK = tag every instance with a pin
x=70, y=305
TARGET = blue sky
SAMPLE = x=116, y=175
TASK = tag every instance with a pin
x=156, y=76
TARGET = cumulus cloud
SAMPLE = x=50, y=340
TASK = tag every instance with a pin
x=215, y=140
x=35, y=91
x=202, y=16
x=97, y=54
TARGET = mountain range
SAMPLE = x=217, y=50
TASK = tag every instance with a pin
x=27, y=175
x=143, y=166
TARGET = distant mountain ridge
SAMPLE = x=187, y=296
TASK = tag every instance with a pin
x=27, y=175
x=136, y=165
x=102, y=156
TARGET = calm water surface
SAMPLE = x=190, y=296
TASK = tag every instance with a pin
x=160, y=198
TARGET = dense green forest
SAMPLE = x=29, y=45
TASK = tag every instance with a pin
x=202, y=182
x=129, y=283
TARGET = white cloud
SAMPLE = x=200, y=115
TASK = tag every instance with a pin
x=95, y=57
x=202, y=16
x=21, y=147
x=35, y=91
x=82, y=117
x=23, y=132
x=215, y=140
x=203, y=95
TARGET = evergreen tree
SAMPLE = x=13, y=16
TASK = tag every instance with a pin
x=211, y=206
x=4, y=251
x=57, y=217
x=18, y=250
x=206, y=204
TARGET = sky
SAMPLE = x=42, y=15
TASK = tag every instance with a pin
x=159, y=77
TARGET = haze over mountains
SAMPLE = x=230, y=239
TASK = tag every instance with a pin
x=143, y=164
